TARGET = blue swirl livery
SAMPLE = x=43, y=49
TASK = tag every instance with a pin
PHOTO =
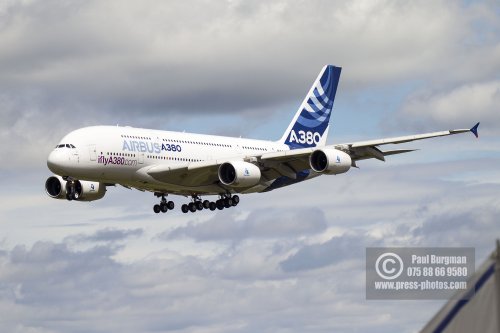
x=309, y=127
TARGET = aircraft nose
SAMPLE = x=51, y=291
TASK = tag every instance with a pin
x=55, y=161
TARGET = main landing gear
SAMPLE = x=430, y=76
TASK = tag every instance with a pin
x=225, y=201
x=164, y=205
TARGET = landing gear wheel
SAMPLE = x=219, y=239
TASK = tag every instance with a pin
x=236, y=200
x=184, y=208
x=198, y=205
x=212, y=206
x=156, y=208
x=170, y=205
x=206, y=204
x=163, y=207
x=71, y=193
x=192, y=207
x=220, y=204
x=228, y=202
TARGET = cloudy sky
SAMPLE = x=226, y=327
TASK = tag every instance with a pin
x=285, y=261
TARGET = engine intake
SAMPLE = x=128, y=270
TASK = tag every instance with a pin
x=54, y=187
x=57, y=188
x=330, y=161
x=239, y=174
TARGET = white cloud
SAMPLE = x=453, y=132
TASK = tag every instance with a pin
x=461, y=106
x=53, y=288
x=333, y=251
x=228, y=56
x=261, y=223
x=108, y=235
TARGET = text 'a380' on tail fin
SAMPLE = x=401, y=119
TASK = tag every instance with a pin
x=309, y=127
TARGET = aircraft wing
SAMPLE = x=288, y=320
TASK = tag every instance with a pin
x=193, y=174
x=289, y=162
x=369, y=149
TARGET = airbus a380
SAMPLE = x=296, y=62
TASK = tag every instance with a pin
x=89, y=159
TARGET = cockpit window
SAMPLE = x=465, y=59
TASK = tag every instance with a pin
x=67, y=145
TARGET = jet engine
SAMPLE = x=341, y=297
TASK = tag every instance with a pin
x=239, y=174
x=81, y=190
x=330, y=161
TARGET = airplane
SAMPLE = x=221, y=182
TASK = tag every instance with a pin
x=90, y=159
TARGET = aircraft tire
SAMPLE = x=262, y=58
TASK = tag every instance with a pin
x=236, y=200
x=163, y=208
x=220, y=204
x=156, y=209
x=170, y=205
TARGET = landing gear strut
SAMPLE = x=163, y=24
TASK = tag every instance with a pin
x=72, y=190
x=164, y=205
x=226, y=200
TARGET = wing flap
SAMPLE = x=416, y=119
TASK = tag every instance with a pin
x=398, y=151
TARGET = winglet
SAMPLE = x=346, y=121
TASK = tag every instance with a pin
x=474, y=130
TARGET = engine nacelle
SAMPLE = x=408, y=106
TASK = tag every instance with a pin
x=57, y=188
x=239, y=174
x=330, y=161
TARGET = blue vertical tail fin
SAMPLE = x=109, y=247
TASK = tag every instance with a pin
x=309, y=127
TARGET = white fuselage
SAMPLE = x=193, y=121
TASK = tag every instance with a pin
x=122, y=155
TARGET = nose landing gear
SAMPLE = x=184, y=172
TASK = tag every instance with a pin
x=73, y=189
